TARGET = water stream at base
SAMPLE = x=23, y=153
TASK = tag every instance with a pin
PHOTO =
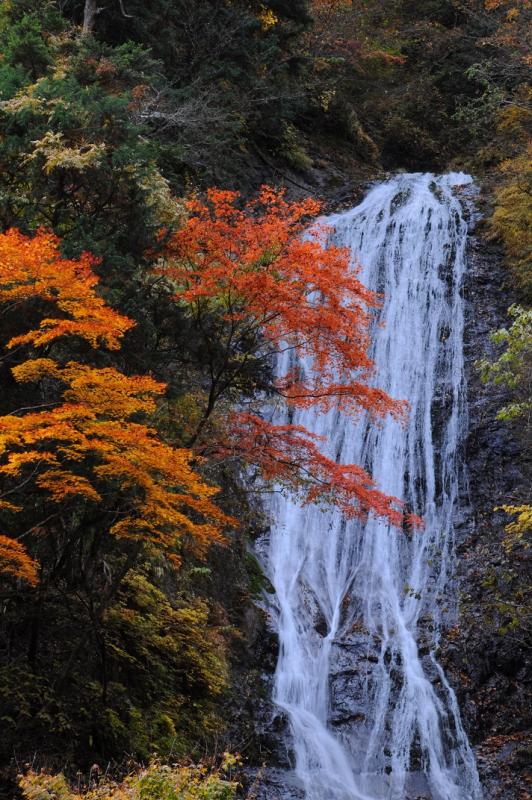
x=359, y=605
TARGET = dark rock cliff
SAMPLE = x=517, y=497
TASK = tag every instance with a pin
x=487, y=653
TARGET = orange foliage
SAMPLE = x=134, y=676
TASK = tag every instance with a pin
x=16, y=562
x=287, y=449
x=85, y=444
x=32, y=268
x=267, y=280
x=87, y=447
x=274, y=289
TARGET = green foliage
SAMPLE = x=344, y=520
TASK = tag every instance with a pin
x=513, y=367
x=73, y=156
x=258, y=582
x=97, y=131
x=114, y=652
x=45, y=787
x=230, y=78
x=156, y=644
x=292, y=149
x=141, y=674
x=507, y=596
x=25, y=48
x=478, y=114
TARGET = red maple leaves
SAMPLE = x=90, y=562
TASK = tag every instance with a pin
x=257, y=283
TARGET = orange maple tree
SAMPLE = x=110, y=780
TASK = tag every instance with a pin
x=90, y=445
x=258, y=283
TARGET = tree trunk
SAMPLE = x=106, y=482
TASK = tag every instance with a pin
x=89, y=15
x=35, y=630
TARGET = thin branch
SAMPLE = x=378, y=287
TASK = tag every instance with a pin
x=32, y=408
x=123, y=10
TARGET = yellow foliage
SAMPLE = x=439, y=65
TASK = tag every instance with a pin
x=5, y=505
x=38, y=786
x=523, y=523
x=28, y=100
x=15, y=561
x=154, y=783
x=59, y=483
x=268, y=19
x=159, y=198
x=102, y=391
x=57, y=155
x=512, y=219
x=516, y=530
x=515, y=120
x=515, y=6
x=331, y=5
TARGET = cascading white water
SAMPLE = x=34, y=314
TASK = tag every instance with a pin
x=359, y=605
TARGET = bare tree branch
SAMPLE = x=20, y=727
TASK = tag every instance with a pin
x=123, y=10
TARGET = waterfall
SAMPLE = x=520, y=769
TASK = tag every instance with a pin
x=360, y=605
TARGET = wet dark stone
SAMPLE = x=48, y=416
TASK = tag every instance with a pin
x=320, y=626
x=490, y=672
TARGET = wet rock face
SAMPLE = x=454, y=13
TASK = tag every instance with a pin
x=488, y=662
x=275, y=784
x=353, y=660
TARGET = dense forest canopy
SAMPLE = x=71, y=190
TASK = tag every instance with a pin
x=141, y=310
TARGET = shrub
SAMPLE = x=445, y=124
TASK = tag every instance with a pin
x=157, y=782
